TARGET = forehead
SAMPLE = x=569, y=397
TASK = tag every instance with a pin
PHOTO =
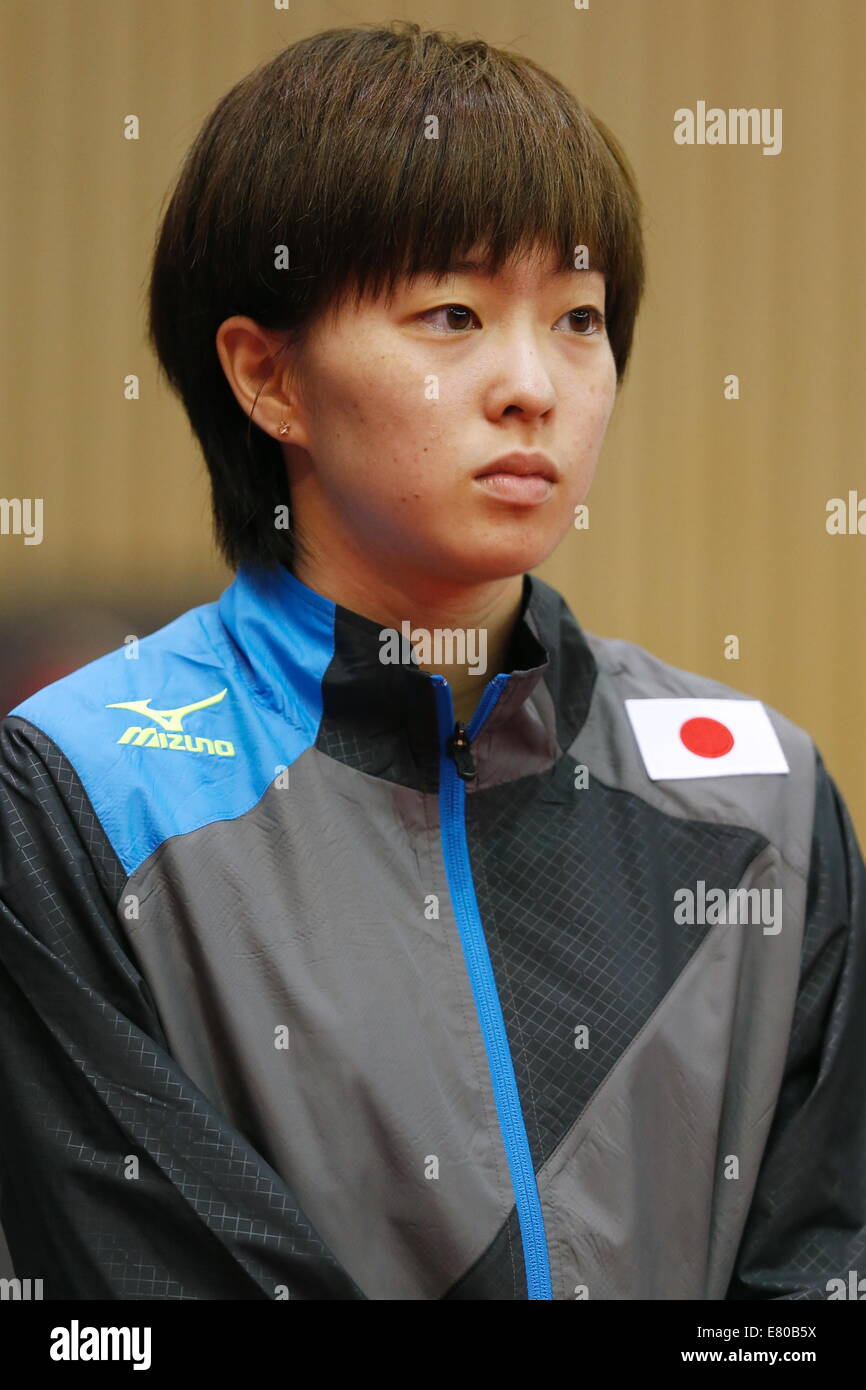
x=523, y=271
x=521, y=274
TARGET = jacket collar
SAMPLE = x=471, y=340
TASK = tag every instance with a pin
x=319, y=665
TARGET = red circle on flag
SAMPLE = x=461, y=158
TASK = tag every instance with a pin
x=707, y=737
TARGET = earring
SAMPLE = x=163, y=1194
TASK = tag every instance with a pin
x=284, y=427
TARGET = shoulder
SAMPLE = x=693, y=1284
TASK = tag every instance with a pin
x=144, y=682
x=699, y=748
x=156, y=732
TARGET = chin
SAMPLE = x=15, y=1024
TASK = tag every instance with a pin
x=483, y=563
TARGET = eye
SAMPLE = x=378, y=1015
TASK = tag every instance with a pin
x=588, y=321
x=455, y=309
x=584, y=316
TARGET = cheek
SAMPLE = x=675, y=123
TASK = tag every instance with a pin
x=378, y=439
x=381, y=409
x=408, y=434
x=596, y=408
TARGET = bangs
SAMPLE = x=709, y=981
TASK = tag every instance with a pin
x=377, y=155
x=484, y=153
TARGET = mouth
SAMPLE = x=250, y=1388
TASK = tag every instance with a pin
x=525, y=479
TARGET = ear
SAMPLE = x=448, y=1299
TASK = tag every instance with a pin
x=258, y=366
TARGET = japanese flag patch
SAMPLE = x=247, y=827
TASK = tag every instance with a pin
x=705, y=738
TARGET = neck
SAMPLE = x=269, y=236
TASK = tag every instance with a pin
x=482, y=615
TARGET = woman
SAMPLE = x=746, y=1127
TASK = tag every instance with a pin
x=379, y=932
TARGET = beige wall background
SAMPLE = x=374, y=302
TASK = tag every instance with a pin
x=708, y=516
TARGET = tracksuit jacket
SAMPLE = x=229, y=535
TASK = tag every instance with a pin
x=308, y=992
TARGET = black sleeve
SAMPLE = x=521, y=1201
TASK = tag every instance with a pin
x=807, y=1223
x=89, y=1092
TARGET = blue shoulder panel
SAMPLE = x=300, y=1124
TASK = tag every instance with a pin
x=191, y=724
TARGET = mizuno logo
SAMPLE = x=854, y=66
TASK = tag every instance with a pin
x=169, y=719
x=171, y=723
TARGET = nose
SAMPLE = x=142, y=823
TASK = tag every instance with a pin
x=520, y=374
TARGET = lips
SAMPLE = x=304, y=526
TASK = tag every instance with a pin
x=521, y=479
x=521, y=465
x=526, y=490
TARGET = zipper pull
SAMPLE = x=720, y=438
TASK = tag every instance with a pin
x=460, y=750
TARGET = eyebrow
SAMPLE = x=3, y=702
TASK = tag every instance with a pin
x=458, y=267
x=476, y=268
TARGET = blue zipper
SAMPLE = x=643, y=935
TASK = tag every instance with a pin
x=452, y=805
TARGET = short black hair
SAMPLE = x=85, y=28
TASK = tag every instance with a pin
x=326, y=150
